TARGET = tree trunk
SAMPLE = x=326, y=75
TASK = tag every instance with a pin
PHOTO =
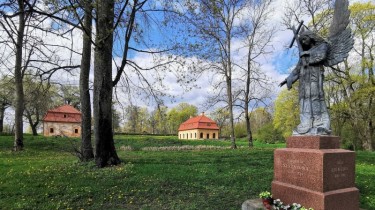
x=229, y=84
x=32, y=125
x=230, y=105
x=34, y=130
x=248, y=126
x=19, y=98
x=2, y=115
x=87, y=152
x=247, y=97
x=105, y=154
x=370, y=128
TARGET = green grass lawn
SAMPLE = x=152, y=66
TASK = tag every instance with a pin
x=47, y=176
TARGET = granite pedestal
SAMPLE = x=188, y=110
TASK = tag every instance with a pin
x=314, y=172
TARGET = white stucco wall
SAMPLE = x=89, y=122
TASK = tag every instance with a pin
x=196, y=134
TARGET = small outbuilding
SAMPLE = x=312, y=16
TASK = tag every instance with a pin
x=200, y=127
x=62, y=121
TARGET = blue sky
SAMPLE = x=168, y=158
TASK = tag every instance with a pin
x=276, y=65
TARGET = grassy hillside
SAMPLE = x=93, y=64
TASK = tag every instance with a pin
x=202, y=175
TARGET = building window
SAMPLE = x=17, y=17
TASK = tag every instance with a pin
x=195, y=135
x=201, y=136
x=64, y=115
x=191, y=135
x=208, y=135
x=180, y=135
x=51, y=130
x=214, y=136
x=76, y=130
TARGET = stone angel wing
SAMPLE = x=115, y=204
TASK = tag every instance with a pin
x=340, y=37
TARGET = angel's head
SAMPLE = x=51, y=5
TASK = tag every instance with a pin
x=309, y=39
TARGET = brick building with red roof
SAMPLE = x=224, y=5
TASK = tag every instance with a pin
x=199, y=127
x=64, y=120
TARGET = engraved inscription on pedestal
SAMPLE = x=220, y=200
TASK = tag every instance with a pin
x=340, y=171
x=297, y=167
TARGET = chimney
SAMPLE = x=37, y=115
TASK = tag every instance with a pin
x=202, y=114
x=191, y=116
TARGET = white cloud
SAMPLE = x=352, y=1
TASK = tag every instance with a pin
x=269, y=64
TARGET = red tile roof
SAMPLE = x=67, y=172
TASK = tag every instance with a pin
x=65, y=109
x=199, y=122
x=64, y=113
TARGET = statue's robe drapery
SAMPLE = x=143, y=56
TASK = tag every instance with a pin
x=313, y=110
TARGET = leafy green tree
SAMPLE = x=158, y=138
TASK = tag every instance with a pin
x=136, y=119
x=6, y=98
x=363, y=98
x=240, y=129
x=180, y=114
x=132, y=115
x=286, y=116
x=116, y=119
x=142, y=119
x=350, y=86
x=269, y=134
x=258, y=118
x=158, y=120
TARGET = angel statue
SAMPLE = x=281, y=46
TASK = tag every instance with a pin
x=315, y=53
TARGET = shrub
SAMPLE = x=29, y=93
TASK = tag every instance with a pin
x=269, y=134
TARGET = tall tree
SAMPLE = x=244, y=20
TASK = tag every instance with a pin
x=215, y=23
x=132, y=116
x=87, y=151
x=28, y=50
x=125, y=26
x=363, y=99
x=16, y=32
x=258, y=36
x=105, y=152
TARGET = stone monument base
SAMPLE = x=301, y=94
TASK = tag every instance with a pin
x=343, y=199
x=314, y=172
